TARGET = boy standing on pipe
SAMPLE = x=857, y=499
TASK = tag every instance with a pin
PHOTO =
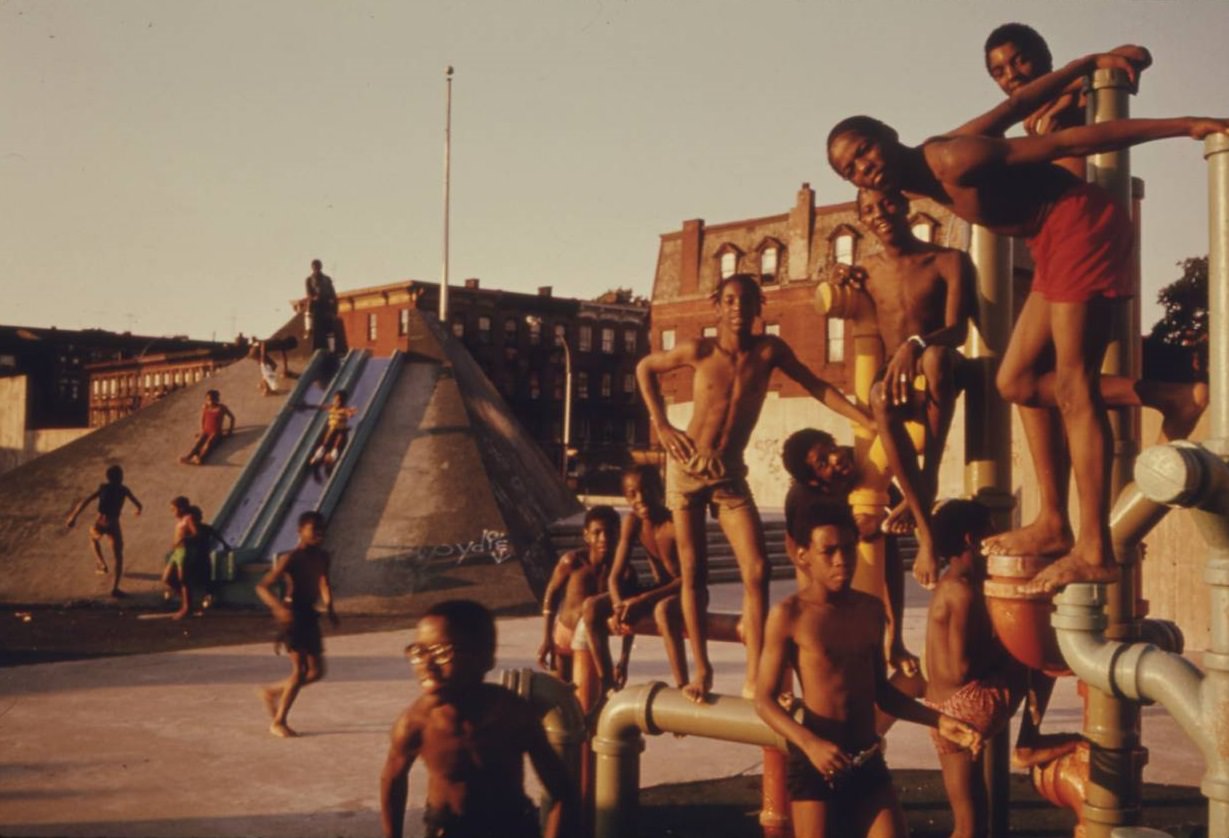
x=1081, y=243
x=832, y=638
x=706, y=466
x=922, y=295
x=1017, y=56
x=472, y=737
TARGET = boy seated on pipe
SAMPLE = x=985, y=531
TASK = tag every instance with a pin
x=472, y=737
x=705, y=463
x=648, y=524
x=922, y=294
x=831, y=636
x=1016, y=56
x=971, y=677
x=1081, y=244
x=579, y=575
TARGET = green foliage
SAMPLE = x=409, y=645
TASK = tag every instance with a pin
x=1185, y=301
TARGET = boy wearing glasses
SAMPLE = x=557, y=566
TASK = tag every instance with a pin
x=472, y=737
x=306, y=569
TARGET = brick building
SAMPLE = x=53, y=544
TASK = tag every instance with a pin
x=515, y=338
x=791, y=253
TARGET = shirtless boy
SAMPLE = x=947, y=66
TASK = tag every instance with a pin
x=705, y=465
x=1016, y=58
x=578, y=575
x=336, y=432
x=832, y=638
x=212, y=415
x=306, y=569
x=971, y=676
x=649, y=524
x=922, y=294
x=175, y=571
x=111, y=496
x=472, y=737
x=1081, y=243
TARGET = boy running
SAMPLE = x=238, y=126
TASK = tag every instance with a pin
x=1081, y=244
x=111, y=496
x=472, y=737
x=306, y=568
x=706, y=466
x=832, y=638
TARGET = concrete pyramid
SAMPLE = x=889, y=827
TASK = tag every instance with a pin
x=448, y=497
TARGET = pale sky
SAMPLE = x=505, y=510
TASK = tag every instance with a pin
x=173, y=166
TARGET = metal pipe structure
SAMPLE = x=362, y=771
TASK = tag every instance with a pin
x=561, y=714
x=447, y=192
x=653, y=708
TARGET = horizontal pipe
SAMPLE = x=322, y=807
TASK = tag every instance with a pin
x=722, y=626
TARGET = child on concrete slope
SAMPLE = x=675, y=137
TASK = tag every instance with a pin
x=832, y=638
x=111, y=496
x=706, y=464
x=472, y=737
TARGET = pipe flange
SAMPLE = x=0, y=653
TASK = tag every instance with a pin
x=616, y=747
x=1082, y=595
x=644, y=708
x=1216, y=572
x=1217, y=143
x=1120, y=816
x=1218, y=661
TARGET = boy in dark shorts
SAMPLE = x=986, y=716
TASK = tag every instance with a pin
x=971, y=676
x=832, y=638
x=472, y=737
x=212, y=416
x=706, y=465
x=111, y=496
x=578, y=575
x=650, y=525
x=306, y=568
x=1081, y=244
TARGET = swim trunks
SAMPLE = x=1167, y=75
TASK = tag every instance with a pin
x=707, y=478
x=177, y=557
x=487, y=822
x=106, y=525
x=563, y=637
x=1084, y=248
x=806, y=783
x=985, y=705
x=303, y=633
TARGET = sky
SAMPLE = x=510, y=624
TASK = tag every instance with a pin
x=172, y=168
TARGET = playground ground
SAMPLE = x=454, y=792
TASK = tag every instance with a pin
x=116, y=727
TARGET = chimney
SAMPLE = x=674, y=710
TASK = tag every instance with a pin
x=544, y=290
x=801, y=230
x=471, y=283
x=689, y=270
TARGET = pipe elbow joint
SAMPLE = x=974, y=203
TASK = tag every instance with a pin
x=622, y=719
x=1183, y=474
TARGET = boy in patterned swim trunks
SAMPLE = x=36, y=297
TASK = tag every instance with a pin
x=705, y=465
x=473, y=738
x=832, y=638
x=971, y=677
x=111, y=496
x=1012, y=187
x=306, y=569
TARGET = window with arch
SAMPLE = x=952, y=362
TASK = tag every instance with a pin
x=842, y=248
x=836, y=340
x=729, y=263
x=770, y=260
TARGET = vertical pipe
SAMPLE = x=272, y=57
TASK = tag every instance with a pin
x=567, y=404
x=588, y=692
x=987, y=458
x=447, y=191
x=1111, y=724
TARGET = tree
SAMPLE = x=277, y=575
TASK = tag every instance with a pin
x=1177, y=347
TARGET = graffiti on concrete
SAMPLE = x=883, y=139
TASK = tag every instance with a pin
x=493, y=544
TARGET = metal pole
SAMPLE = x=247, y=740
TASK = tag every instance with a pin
x=987, y=453
x=447, y=190
x=567, y=403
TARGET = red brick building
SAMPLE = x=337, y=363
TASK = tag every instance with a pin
x=514, y=338
x=124, y=386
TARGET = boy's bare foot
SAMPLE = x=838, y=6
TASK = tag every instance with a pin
x=925, y=568
x=700, y=687
x=1035, y=539
x=1179, y=418
x=283, y=730
x=904, y=661
x=270, y=696
x=1069, y=569
x=116, y=593
x=184, y=460
x=101, y=569
x=899, y=521
x=1046, y=748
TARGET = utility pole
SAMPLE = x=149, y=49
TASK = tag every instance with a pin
x=447, y=190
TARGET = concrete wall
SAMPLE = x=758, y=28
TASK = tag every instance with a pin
x=18, y=445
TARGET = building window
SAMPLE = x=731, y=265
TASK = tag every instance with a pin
x=629, y=431
x=608, y=341
x=582, y=385
x=768, y=264
x=729, y=263
x=709, y=332
x=371, y=327
x=629, y=341
x=510, y=330
x=458, y=327
x=922, y=231
x=557, y=390
x=561, y=334
x=484, y=329
x=629, y=383
x=773, y=329
x=836, y=340
x=607, y=385
x=535, y=386
x=535, y=331
x=842, y=249
x=585, y=340
x=403, y=322
x=667, y=339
